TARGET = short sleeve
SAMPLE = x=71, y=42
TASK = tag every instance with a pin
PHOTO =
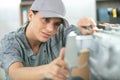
x=9, y=51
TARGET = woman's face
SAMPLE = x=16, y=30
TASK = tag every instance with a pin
x=43, y=28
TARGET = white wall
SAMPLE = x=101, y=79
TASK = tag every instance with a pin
x=9, y=16
x=77, y=9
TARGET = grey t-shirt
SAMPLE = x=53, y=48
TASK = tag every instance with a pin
x=15, y=47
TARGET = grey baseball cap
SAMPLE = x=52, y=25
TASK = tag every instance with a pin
x=50, y=8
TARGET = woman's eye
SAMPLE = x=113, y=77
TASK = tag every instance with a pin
x=57, y=24
x=45, y=20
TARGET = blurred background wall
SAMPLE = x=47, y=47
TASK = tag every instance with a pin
x=77, y=9
x=9, y=16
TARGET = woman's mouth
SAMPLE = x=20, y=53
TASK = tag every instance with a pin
x=46, y=35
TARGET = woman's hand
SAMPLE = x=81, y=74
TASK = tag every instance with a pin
x=57, y=69
x=83, y=23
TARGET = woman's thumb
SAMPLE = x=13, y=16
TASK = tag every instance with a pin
x=62, y=53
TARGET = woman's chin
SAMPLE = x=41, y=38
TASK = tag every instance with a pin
x=45, y=40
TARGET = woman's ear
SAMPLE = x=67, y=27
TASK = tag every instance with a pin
x=30, y=15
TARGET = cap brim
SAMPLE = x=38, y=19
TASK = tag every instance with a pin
x=53, y=14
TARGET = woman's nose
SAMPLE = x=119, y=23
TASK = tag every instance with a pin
x=50, y=27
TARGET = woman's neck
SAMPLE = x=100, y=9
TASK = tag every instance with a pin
x=33, y=42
